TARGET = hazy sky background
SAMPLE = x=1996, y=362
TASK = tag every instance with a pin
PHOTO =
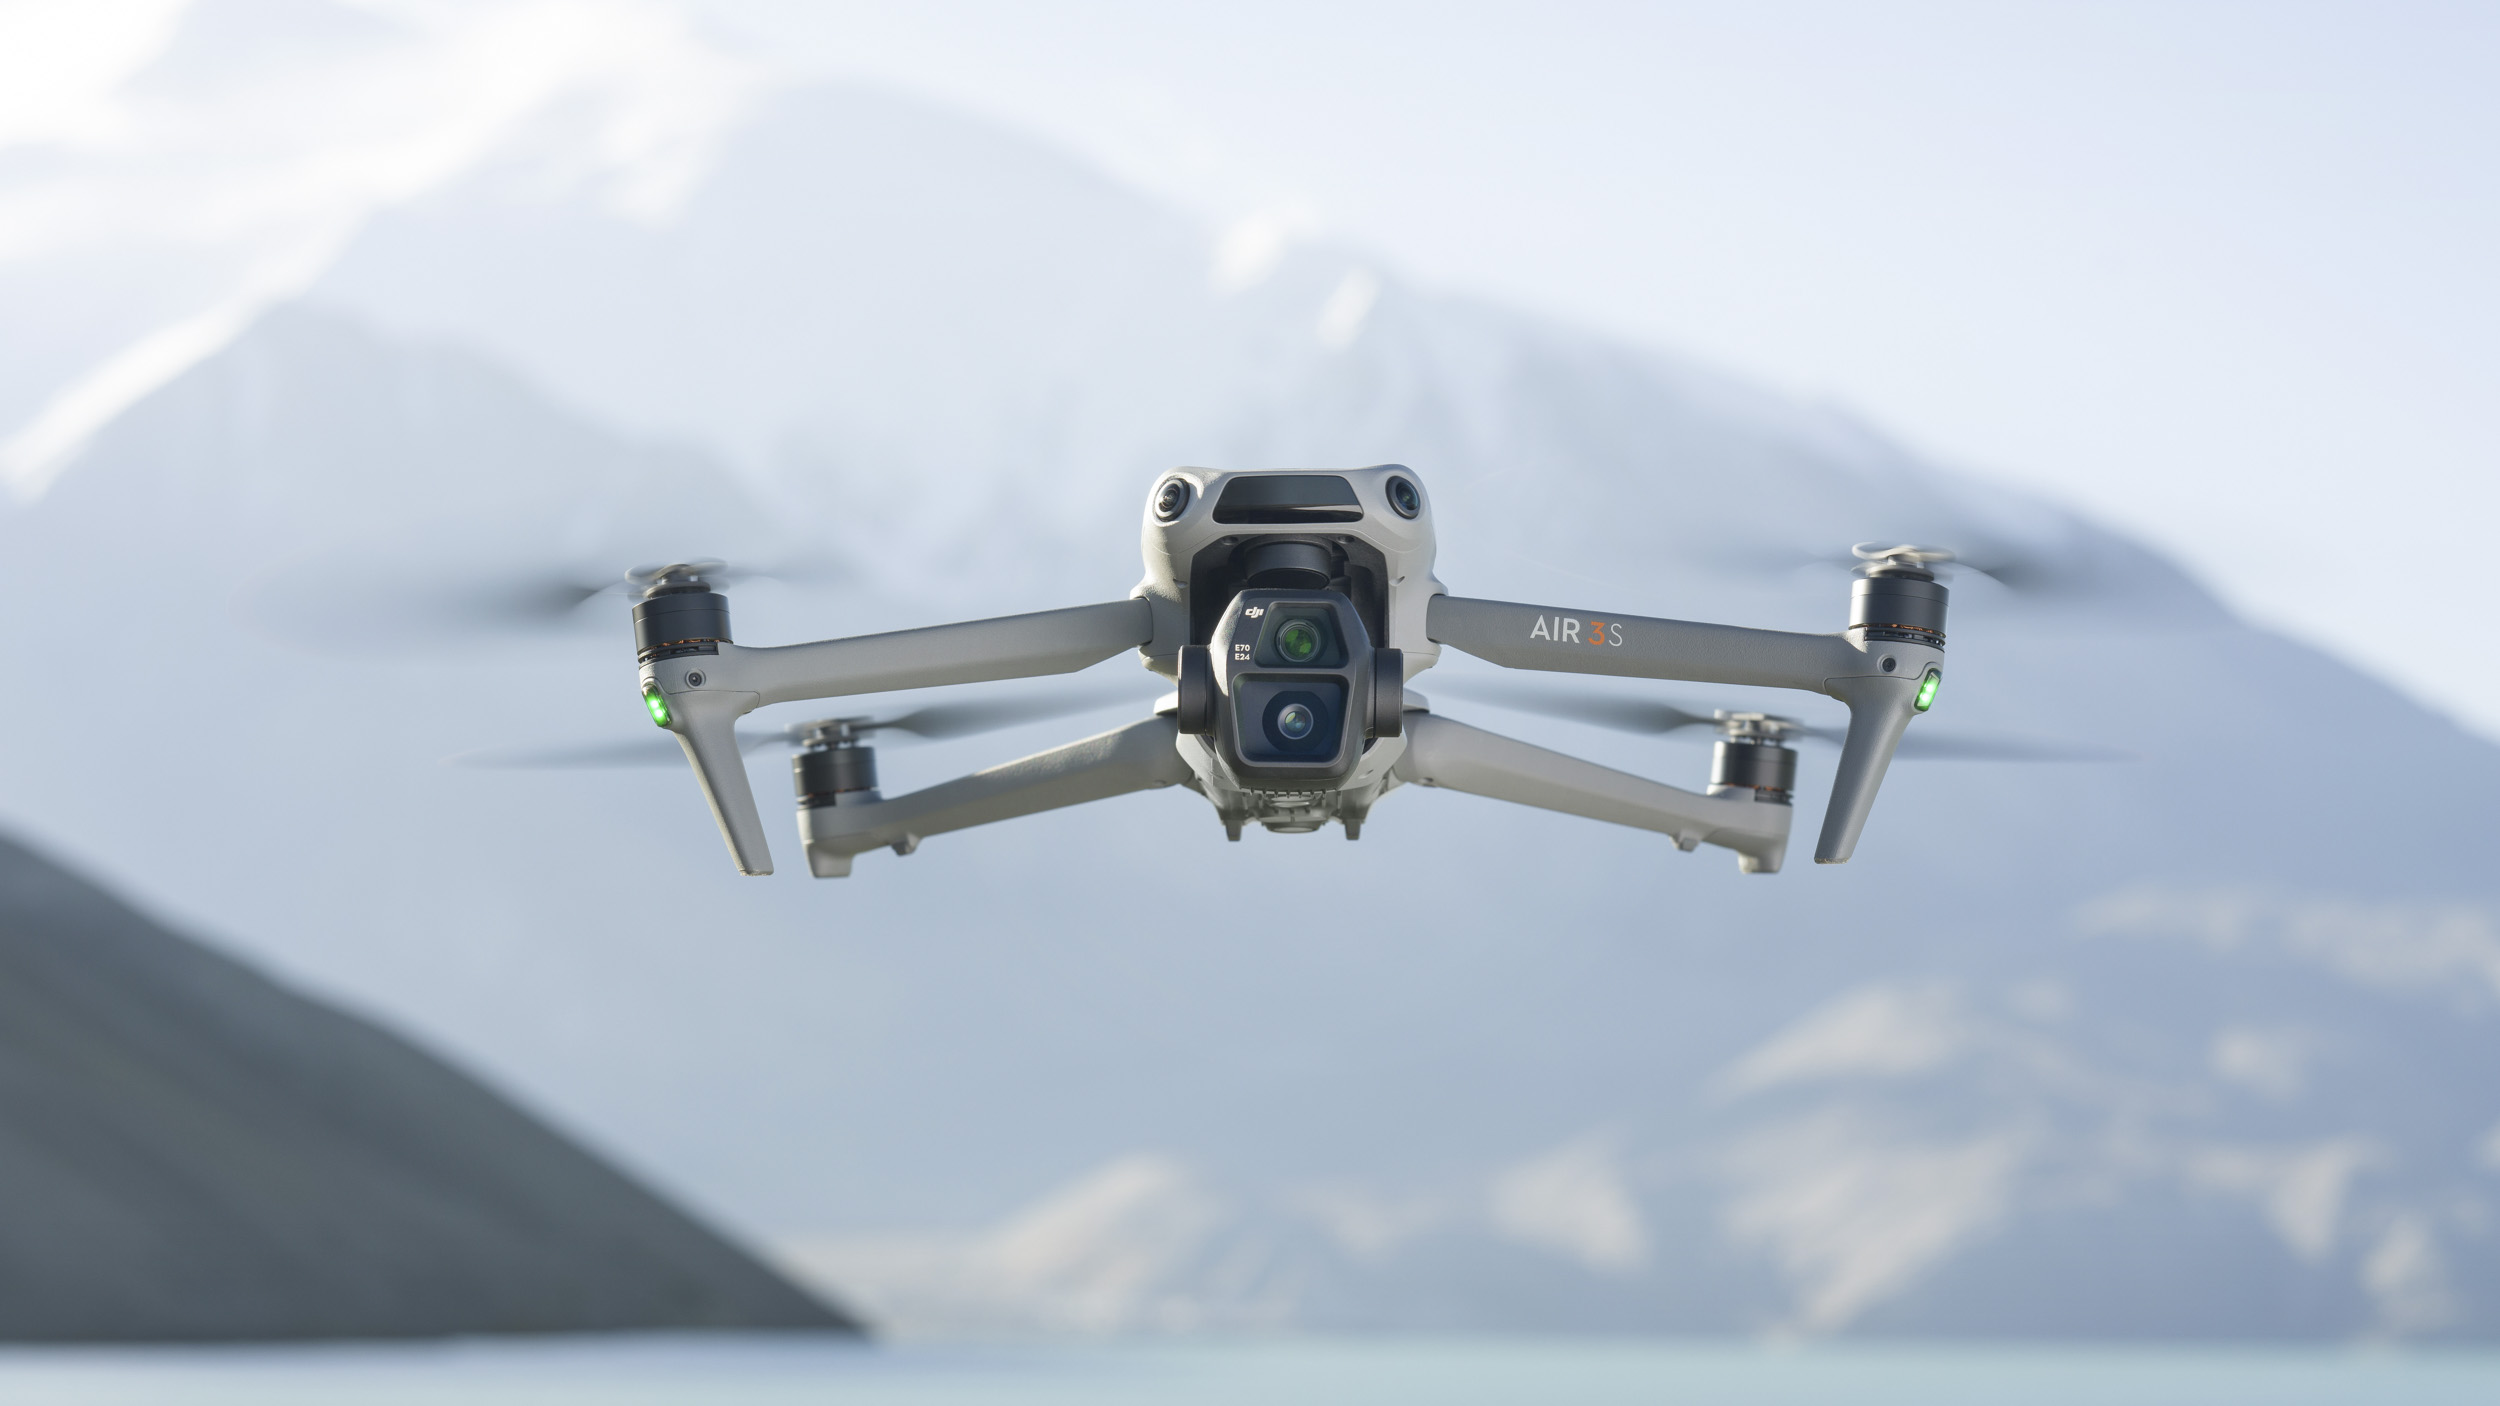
x=2220, y=274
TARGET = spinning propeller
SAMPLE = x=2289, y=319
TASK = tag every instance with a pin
x=934, y=722
x=2025, y=572
x=551, y=597
x=1642, y=716
x=442, y=597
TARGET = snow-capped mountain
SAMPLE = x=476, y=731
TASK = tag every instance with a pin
x=2186, y=1044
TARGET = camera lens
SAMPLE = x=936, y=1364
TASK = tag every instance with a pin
x=1285, y=723
x=1298, y=641
x=1404, y=498
x=1172, y=498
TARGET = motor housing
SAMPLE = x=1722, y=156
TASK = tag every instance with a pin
x=675, y=620
x=841, y=772
x=1764, y=767
x=1900, y=605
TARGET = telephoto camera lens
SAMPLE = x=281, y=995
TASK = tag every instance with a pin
x=1295, y=721
x=1298, y=641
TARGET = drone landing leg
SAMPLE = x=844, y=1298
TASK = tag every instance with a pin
x=1880, y=710
x=1139, y=757
x=1452, y=755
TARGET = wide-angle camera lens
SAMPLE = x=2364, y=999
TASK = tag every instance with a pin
x=1295, y=721
x=1290, y=721
x=1298, y=641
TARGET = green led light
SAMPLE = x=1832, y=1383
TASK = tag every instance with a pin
x=659, y=706
x=1927, y=690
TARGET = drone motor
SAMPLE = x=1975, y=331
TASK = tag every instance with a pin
x=679, y=613
x=1752, y=754
x=834, y=765
x=1897, y=597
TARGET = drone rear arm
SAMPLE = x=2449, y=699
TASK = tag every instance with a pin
x=1138, y=757
x=1449, y=754
x=706, y=694
x=1879, y=681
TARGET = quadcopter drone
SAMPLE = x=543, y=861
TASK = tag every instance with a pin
x=1289, y=609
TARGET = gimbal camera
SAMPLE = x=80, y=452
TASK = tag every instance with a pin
x=1290, y=609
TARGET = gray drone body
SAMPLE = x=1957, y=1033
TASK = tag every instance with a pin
x=1290, y=609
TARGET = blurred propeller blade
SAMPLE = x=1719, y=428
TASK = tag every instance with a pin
x=2022, y=571
x=1903, y=554
x=1974, y=747
x=380, y=610
x=795, y=571
x=945, y=720
x=644, y=751
x=1603, y=710
x=524, y=600
x=939, y=721
x=1641, y=716
x=935, y=722
x=419, y=599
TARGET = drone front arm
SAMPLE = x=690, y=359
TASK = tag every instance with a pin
x=1440, y=752
x=976, y=651
x=706, y=694
x=1634, y=646
x=1138, y=757
x=1879, y=681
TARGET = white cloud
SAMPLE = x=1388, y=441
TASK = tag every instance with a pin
x=2274, y=1063
x=1124, y=1248
x=2429, y=948
x=1574, y=1202
x=2406, y=1276
x=1365, y=1223
x=1874, y=1032
x=1854, y=1213
x=1250, y=248
x=1110, y=1237
x=2300, y=1189
x=1342, y=317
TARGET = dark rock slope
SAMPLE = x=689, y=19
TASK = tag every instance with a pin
x=189, y=1150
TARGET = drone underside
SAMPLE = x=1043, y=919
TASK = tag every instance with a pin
x=842, y=813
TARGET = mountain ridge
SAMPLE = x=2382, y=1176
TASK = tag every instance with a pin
x=1421, y=1020
x=196, y=1153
